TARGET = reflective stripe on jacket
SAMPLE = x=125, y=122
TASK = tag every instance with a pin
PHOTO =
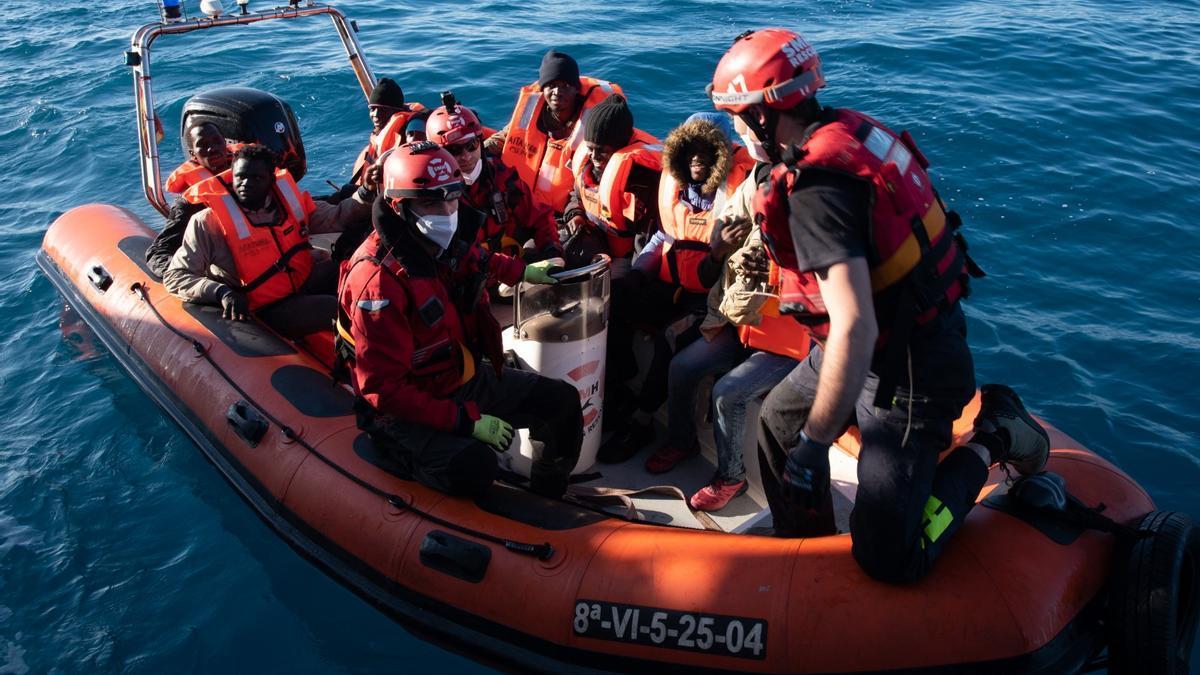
x=605, y=201
x=272, y=261
x=542, y=162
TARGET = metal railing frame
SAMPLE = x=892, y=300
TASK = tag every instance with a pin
x=139, y=59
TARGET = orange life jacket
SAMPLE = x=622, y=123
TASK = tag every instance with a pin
x=777, y=334
x=604, y=200
x=388, y=137
x=689, y=232
x=186, y=175
x=542, y=162
x=191, y=172
x=272, y=261
x=910, y=229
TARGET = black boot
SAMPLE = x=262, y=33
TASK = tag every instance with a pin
x=626, y=442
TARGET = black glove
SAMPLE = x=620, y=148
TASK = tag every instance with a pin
x=806, y=475
x=234, y=305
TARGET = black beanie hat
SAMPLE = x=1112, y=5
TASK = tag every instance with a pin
x=388, y=93
x=558, y=66
x=609, y=123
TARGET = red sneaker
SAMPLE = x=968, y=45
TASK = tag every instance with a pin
x=667, y=456
x=717, y=494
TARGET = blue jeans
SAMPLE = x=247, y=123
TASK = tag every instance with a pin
x=689, y=367
x=752, y=379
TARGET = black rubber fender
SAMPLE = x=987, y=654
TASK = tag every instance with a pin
x=1154, y=600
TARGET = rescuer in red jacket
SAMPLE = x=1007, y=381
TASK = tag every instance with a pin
x=423, y=349
x=514, y=217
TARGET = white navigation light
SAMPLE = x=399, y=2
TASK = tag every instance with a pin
x=211, y=8
x=244, y=5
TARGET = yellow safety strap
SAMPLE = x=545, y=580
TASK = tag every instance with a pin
x=344, y=334
x=908, y=254
x=468, y=364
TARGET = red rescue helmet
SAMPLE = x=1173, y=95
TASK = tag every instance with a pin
x=452, y=124
x=773, y=67
x=421, y=170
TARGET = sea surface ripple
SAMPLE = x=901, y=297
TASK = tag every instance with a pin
x=1064, y=132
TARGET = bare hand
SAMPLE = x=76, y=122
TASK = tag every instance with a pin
x=729, y=237
x=574, y=225
x=235, y=306
x=754, y=264
x=373, y=177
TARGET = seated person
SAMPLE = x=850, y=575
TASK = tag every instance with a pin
x=774, y=345
x=209, y=155
x=423, y=349
x=669, y=281
x=513, y=217
x=544, y=131
x=414, y=131
x=615, y=197
x=392, y=120
x=248, y=249
x=390, y=117
x=706, y=176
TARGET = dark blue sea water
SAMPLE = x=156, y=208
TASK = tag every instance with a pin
x=1063, y=131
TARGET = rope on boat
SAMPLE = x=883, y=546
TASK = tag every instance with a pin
x=540, y=551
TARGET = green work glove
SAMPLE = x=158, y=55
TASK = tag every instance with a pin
x=493, y=431
x=539, y=272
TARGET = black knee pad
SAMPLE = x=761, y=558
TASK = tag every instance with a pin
x=888, y=563
x=471, y=471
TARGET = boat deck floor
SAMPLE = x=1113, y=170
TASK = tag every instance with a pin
x=747, y=512
x=742, y=513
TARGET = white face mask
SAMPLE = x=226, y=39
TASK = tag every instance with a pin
x=756, y=150
x=438, y=228
x=470, y=178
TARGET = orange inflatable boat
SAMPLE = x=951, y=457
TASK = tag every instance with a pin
x=555, y=585
x=1026, y=586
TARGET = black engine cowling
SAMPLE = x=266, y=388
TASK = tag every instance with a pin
x=250, y=116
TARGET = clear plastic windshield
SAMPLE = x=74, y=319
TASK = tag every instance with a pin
x=576, y=308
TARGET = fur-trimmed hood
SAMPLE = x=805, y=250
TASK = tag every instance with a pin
x=681, y=144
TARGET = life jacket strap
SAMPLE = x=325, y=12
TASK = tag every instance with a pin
x=673, y=255
x=280, y=265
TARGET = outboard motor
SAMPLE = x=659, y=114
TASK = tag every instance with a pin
x=251, y=116
x=561, y=332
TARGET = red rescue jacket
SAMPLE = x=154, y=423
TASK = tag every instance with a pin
x=912, y=238
x=513, y=216
x=413, y=329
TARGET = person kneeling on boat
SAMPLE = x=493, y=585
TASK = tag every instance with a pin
x=424, y=352
x=210, y=154
x=870, y=260
x=248, y=250
x=513, y=216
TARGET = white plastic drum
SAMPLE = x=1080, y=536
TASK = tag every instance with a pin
x=561, y=331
